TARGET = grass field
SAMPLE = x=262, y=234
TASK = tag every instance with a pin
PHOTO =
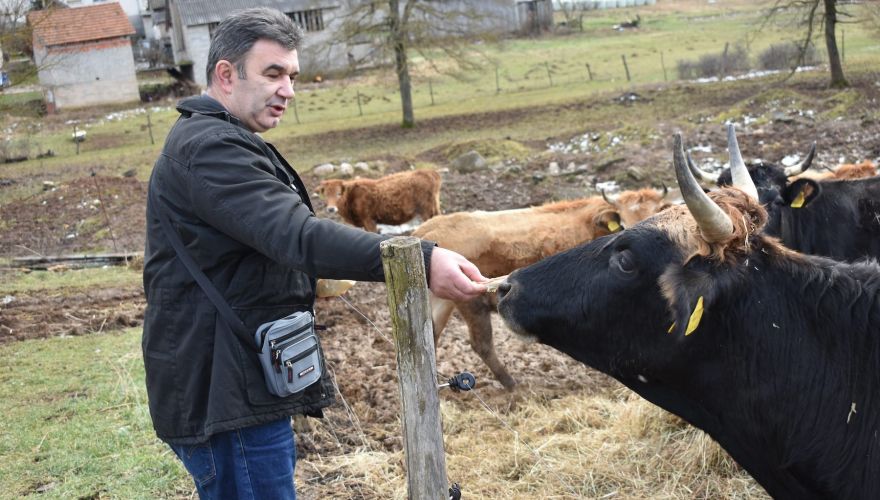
x=75, y=422
x=120, y=141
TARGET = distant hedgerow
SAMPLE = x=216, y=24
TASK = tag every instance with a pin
x=708, y=65
x=785, y=56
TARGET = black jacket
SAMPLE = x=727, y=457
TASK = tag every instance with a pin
x=245, y=217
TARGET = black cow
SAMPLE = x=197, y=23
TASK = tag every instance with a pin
x=839, y=219
x=773, y=353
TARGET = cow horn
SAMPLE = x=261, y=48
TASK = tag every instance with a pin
x=714, y=223
x=804, y=165
x=700, y=173
x=738, y=171
x=611, y=199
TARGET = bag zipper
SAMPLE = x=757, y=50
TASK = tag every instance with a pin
x=279, y=344
x=290, y=362
x=274, y=342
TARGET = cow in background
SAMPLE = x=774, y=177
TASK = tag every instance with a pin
x=839, y=219
x=774, y=354
x=499, y=242
x=847, y=171
x=393, y=199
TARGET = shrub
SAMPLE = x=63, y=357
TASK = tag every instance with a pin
x=708, y=65
x=785, y=56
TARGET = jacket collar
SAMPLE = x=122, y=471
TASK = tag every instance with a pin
x=208, y=106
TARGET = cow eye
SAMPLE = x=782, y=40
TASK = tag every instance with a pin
x=624, y=261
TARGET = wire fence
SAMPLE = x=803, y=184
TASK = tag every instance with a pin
x=569, y=77
x=492, y=87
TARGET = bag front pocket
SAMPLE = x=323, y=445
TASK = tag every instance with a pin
x=302, y=363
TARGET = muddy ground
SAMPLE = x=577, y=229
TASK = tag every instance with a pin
x=72, y=217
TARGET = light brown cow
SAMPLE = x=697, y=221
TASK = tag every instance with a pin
x=499, y=242
x=847, y=171
x=393, y=199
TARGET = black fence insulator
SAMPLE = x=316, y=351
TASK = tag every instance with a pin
x=455, y=492
x=463, y=381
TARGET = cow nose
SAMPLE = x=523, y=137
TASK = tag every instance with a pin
x=332, y=210
x=503, y=288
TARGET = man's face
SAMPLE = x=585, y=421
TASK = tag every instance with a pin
x=260, y=99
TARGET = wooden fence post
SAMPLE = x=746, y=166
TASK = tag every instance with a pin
x=625, y=67
x=150, y=128
x=724, y=60
x=414, y=339
x=663, y=65
x=590, y=72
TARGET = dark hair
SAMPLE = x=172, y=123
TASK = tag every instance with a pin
x=236, y=34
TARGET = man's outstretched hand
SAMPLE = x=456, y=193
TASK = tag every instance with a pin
x=453, y=277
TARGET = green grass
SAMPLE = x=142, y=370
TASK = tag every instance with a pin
x=20, y=281
x=75, y=422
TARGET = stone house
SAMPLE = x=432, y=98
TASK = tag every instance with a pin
x=189, y=24
x=84, y=56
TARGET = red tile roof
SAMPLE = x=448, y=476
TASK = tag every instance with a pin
x=80, y=24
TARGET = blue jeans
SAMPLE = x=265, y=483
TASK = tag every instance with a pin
x=247, y=464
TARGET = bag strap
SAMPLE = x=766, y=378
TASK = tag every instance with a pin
x=232, y=320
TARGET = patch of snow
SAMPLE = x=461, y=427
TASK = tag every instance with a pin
x=751, y=74
x=607, y=186
x=791, y=160
x=406, y=227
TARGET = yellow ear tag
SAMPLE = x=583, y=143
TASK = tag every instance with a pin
x=799, y=201
x=671, y=327
x=613, y=226
x=696, y=316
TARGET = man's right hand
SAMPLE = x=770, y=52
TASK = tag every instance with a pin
x=453, y=277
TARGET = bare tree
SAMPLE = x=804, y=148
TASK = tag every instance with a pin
x=16, y=32
x=573, y=13
x=396, y=28
x=817, y=16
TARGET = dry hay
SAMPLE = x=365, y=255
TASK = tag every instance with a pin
x=576, y=446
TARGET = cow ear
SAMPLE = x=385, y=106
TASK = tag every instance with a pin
x=609, y=222
x=801, y=193
x=690, y=297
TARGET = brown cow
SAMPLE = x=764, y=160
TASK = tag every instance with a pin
x=499, y=242
x=847, y=171
x=393, y=199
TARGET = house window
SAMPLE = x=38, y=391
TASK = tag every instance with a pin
x=310, y=20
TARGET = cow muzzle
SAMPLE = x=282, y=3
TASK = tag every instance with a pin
x=510, y=311
x=503, y=289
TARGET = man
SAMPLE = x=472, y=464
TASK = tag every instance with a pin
x=244, y=216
